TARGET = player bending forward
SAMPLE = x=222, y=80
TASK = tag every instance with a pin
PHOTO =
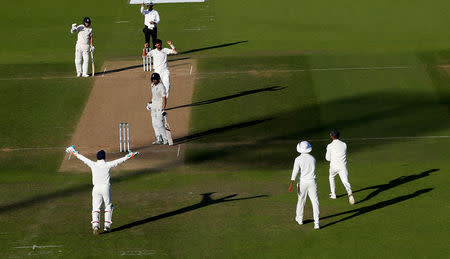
x=156, y=107
x=306, y=165
x=85, y=44
x=101, y=192
x=337, y=155
x=160, y=64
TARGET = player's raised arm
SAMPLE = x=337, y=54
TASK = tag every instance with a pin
x=121, y=160
x=71, y=150
x=174, y=50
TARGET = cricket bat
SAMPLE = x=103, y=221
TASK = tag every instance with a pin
x=92, y=63
x=168, y=133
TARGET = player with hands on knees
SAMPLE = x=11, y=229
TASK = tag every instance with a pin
x=101, y=191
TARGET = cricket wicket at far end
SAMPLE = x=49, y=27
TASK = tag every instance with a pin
x=124, y=137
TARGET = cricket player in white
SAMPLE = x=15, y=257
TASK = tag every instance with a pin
x=85, y=44
x=156, y=107
x=101, y=192
x=305, y=164
x=160, y=64
x=337, y=155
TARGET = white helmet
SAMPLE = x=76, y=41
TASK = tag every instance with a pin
x=304, y=147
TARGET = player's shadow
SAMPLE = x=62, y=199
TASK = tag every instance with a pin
x=132, y=67
x=228, y=97
x=392, y=184
x=213, y=47
x=207, y=200
x=219, y=130
x=367, y=209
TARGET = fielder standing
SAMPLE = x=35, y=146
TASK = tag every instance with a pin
x=151, y=19
x=101, y=192
x=337, y=155
x=305, y=164
x=160, y=64
x=156, y=107
x=85, y=44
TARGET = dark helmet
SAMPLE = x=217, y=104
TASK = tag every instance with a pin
x=87, y=20
x=155, y=76
x=334, y=133
x=158, y=41
x=101, y=155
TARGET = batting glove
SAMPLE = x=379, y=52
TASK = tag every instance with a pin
x=92, y=48
x=132, y=154
x=149, y=106
x=163, y=113
x=72, y=150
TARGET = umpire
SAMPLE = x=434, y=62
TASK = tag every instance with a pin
x=151, y=21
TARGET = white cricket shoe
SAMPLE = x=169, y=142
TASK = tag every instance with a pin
x=316, y=225
x=157, y=142
x=95, y=231
x=299, y=221
x=107, y=229
x=351, y=200
x=332, y=196
x=78, y=74
x=85, y=75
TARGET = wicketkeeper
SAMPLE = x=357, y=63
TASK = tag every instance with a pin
x=305, y=164
x=156, y=107
x=85, y=44
x=337, y=155
x=160, y=64
x=101, y=192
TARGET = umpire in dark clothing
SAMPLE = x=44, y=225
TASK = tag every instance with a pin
x=151, y=21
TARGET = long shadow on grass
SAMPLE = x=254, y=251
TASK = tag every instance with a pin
x=76, y=189
x=213, y=47
x=377, y=206
x=219, y=130
x=272, y=143
x=392, y=184
x=132, y=67
x=207, y=200
x=228, y=97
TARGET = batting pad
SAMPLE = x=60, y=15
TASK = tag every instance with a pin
x=164, y=1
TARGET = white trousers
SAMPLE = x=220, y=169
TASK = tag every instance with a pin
x=100, y=194
x=165, y=79
x=307, y=188
x=343, y=174
x=82, y=53
x=158, y=124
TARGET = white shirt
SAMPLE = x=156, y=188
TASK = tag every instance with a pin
x=150, y=16
x=84, y=34
x=160, y=58
x=100, y=169
x=306, y=165
x=158, y=93
x=337, y=154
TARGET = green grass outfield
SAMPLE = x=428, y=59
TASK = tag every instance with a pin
x=270, y=74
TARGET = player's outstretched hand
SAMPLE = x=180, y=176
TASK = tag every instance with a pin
x=132, y=154
x=92, y=48
x=72, y=150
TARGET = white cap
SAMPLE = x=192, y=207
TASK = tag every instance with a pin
x=304, y=147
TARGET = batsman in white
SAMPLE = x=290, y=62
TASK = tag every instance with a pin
x=337, y=155
x=101, y=192
x=156, y=107
x=85, y=44
x=305, y=164
x=160, y=64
